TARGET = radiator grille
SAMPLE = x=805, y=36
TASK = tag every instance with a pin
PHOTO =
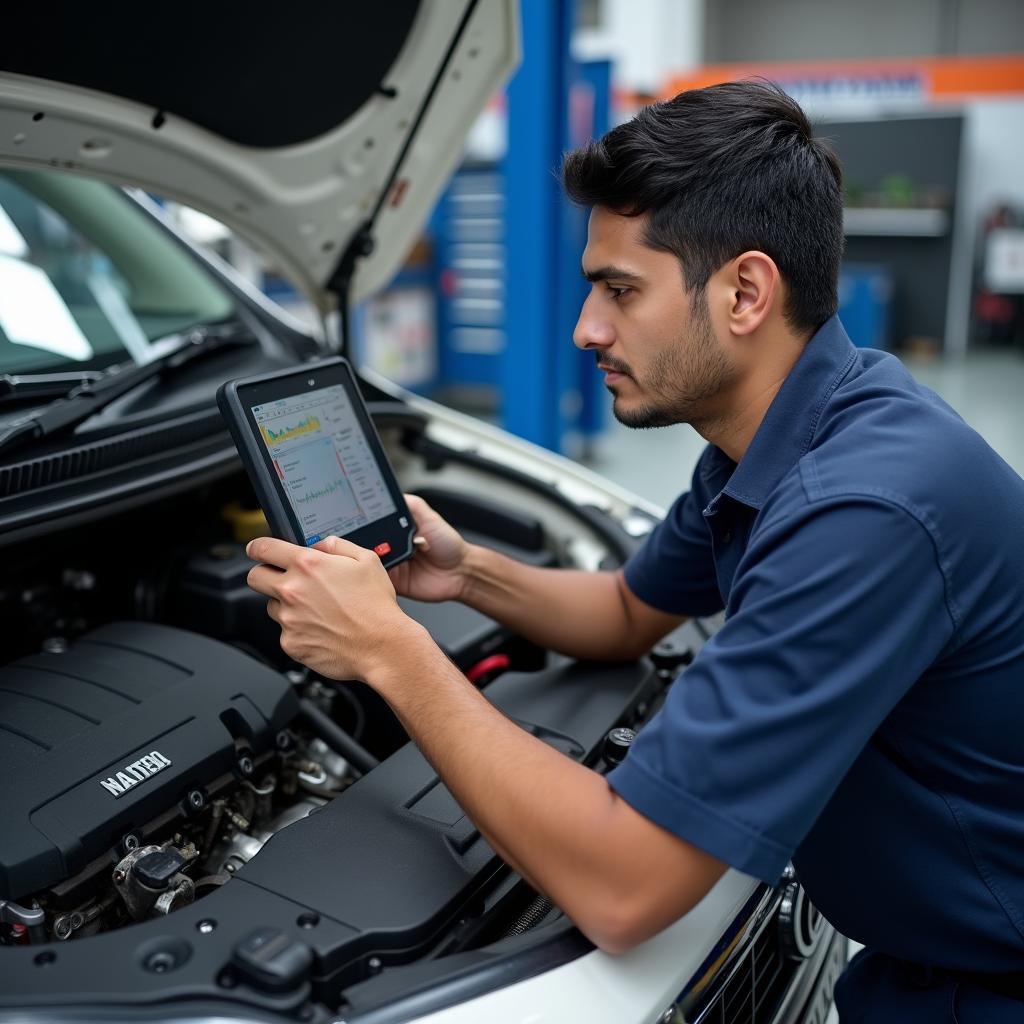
x=757, y=984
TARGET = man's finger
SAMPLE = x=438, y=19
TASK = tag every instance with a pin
x=274, y=609
x=273, y=551
x=414, y=501
x=264, y=579
x=339, y=546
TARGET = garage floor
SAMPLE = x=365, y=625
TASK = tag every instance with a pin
x=987, y=389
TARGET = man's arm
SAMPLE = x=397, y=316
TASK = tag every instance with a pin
x=619, y=876
x=590, y=615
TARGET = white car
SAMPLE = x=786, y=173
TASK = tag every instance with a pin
x=194, y=828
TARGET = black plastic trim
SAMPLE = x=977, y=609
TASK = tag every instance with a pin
x=470, y=981
x=106, y=453
x=188, y=469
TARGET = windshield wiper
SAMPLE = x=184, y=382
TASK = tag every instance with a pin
x=25, y=387
x=87, y=397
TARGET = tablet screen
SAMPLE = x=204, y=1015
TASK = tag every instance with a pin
x=324, y=462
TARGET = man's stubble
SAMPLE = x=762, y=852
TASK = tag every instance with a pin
x=683, y=379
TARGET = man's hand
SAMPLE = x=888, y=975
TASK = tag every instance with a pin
x=334, y=603
x=435, y=571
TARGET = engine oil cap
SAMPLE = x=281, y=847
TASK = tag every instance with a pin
x=271, y=960
x=155, y=870
x=616, y=746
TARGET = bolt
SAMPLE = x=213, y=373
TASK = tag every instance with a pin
x=245, y=765
x=119, y=877
x=195, y=800
x=205, y=926
x=55, y=645
x=242, y=824
x=160, y=962
x=283, y=740
x=374, y=964
x=131, y=841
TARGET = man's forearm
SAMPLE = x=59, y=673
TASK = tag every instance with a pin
x=557, y=823
x=576, y=613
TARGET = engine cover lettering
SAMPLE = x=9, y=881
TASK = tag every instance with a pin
x=132, y=774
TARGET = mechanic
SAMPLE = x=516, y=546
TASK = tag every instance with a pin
x=861, y=709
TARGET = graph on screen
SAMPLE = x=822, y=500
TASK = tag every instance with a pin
x=332, y=488
x=324, y=462
x=319, y=489
x=309, y=425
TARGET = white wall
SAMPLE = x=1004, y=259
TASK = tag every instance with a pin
x=992, y=173
x=994, y=154
x=646, y=39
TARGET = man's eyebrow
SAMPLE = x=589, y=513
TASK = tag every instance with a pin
x=609, y=273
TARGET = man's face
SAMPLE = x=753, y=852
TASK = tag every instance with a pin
x=656, y=343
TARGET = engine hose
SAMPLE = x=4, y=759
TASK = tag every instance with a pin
x=336, y=738
x=531, y=916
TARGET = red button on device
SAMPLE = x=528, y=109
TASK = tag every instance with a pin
x=383, y=549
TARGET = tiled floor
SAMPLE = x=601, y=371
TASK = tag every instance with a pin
x=987, y=389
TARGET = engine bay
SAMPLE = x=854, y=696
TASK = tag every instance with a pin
x=183, y=800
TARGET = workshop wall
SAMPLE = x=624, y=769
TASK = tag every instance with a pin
x=740, y=30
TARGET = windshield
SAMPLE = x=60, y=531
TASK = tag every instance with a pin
x=88, y=279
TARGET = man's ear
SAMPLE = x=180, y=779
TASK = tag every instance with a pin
x=754, y=283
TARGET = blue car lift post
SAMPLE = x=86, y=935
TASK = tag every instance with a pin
x=551, y=393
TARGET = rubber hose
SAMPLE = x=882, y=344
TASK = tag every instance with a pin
x=336, y=738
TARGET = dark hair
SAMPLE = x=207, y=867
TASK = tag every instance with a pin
x=719, y=171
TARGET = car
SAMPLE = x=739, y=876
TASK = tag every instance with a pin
x=195, y=827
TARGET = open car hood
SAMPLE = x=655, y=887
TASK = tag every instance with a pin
x=321, y=132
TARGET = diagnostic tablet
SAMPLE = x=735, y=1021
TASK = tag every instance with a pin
x=315, y=460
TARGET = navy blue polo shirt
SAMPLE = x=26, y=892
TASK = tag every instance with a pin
x=861, y=710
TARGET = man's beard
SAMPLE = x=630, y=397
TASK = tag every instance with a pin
x=681, y=379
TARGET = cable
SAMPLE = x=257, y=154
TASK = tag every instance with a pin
x=336, y=738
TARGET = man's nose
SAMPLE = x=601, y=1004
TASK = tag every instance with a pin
x=592, y=330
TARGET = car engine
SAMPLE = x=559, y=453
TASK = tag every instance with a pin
x=143, y=766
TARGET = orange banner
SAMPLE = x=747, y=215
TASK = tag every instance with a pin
x=930, y=78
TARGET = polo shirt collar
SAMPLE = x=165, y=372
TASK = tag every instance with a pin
x=788, y=427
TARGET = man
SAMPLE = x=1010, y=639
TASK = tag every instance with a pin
x=861, y=710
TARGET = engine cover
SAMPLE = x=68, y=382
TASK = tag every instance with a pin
x=106, y=736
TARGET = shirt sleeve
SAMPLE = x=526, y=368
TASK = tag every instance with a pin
x=674, y=570
x=834, y=615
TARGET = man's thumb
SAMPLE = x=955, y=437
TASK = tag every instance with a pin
x=332, y=545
